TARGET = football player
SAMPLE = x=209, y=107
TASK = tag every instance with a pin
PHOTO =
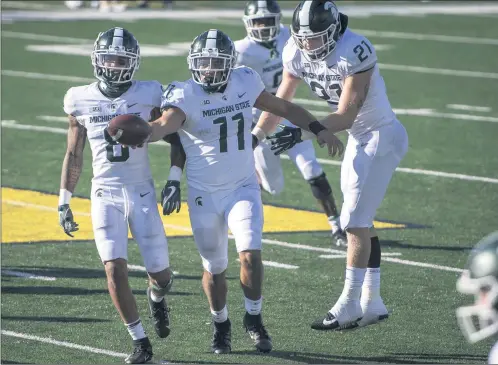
x=480, y=279
x=122, y=193
x=212, y=112
x=262, y=50
x=341, y=68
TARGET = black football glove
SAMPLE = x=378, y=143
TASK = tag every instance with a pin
x=255, y=141
x=284, y=139
x=66, y=220
x=171, y=197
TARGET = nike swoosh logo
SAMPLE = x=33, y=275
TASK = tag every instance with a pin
x=327, y=322
x=132, y=105
x=363, y=144
x=330, y=66
x=241, y=95
x=142, y=195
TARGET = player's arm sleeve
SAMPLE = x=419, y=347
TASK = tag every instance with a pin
x=361, y=57
x=253, y=82
x=70, y=105
x=289, y=55
x=173, y=97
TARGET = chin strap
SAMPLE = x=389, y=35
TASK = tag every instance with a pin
x=113, y=91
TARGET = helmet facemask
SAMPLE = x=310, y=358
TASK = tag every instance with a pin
x=262, y=27
x=480, y=320
x=317, y=46
x=115, y=65
x=211, y=69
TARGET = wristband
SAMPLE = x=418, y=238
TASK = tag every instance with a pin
x=259, y=133
x=64, y=196
x=175, y=173
x=316, y=127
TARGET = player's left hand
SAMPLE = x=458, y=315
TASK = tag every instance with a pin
x=285, y=139
x=334, y=144
x=171, y=197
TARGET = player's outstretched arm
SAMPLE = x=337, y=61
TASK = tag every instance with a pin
x=170, y=122
x=353, y=96
x=268, y=122
x=71, y=171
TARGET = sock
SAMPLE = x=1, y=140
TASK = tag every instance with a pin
x=136, y=330
x=334, y=224
x=253, y=307
x=352, y=287
x=371, y=285
x=220, y=316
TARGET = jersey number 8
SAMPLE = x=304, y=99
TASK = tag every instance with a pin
x=115, y=151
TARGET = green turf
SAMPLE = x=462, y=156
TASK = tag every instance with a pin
x=451, y=215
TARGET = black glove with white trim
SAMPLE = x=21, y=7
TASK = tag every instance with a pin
x=171, y=198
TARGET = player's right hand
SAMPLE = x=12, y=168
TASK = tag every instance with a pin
x=66, y=220
x=285, y=139
x=334, y=144
x=171, y=197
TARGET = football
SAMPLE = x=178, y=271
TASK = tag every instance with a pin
x=128, y=129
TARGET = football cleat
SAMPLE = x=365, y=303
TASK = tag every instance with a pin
x=346, y=318
x=222, y=337
x=142, y=353
x=257, y=331
x=340, y=239
x=159, y=313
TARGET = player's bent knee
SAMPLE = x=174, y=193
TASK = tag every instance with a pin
x=161, y=279
x=320, y=187
x=250, y=258
x=116, y=270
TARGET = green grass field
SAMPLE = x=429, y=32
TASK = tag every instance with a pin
x=447, y=199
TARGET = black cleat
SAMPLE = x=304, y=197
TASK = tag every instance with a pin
x=331, y=323
x=222, y=337
x=340, y=239
x=254, y=326
x=142, y=353
x=159, y=313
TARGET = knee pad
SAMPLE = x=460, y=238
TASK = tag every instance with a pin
x=160, y=290
x=320, y=187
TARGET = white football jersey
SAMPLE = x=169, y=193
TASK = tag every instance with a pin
x=112, y=163
x=353, y=53
x=267, y=62
x=216, y=135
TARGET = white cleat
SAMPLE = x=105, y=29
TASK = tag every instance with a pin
x=341, y=317
x=374, y=311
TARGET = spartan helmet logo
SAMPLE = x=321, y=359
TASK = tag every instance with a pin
x=198, y=201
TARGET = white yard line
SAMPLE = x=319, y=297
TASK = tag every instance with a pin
x=427, y=37
x=188, y=15
x=277, y=265
x=143, y=269
x=14, y=125
x=438, y=71
x=27, y=275
x=63, y=344
x=470, y=108
x=267, y=241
